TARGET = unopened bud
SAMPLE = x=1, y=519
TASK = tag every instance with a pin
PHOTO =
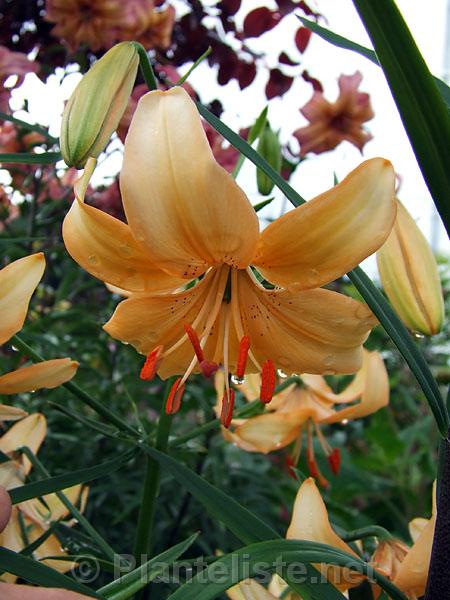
x=269, y=148
x=96, y=106
x=410, y=277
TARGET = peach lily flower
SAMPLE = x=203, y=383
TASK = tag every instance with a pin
x=310, y=406
x=189, y=222
x=18, y=281
x=36, y=514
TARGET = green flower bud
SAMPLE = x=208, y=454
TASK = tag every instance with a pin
x=409, y=274
x=96, y=106
x=269, y=148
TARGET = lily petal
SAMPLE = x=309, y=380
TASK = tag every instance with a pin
x=47, y=374
x=310, y=522
x=249, y=589
x=185, y=208
x=315, y=331
x=375, y=394
x=29, y=432
x=413, y=571
x=328, y=236
x=17, y=283
x=11, y=413
x=147, y=321
x=265, y=433
x=105, y=248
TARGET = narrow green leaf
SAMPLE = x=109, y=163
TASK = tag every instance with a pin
x=253, y=134
x=267, y=557
x=194, y=66
x=244, y=524
x=424, y=115
x=129, y=584
x=346, y=44
x=60, y=482
x=28, y=126
x=262, y=204
x=382, y=309
x=30, y=158
x=39, y=574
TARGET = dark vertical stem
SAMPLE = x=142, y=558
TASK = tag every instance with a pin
x=150, y=490
x=438, y=585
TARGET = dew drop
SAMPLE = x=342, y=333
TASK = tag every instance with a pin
x=125, y=250
x=237, y=380
x=418, y=336
x=125, y=343
x=281, y=374
x=344, y=421
x=93, y=259
x=329, y=360
x=14, y=349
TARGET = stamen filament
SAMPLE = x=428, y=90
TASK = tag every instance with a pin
x=311, y=459
x=237, y=315
x=333, y=455
x=226, y=413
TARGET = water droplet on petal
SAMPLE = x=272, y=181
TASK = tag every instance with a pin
x=237, y=380
x=281, y=374
x=93, y=259
x=14, y=349
x=344, y=421
x=329, y=360
x=418, y=336
x=125, y=250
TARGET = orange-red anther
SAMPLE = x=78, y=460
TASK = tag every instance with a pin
x=193, y=338
x=151, y=364
x=174, y=398
x=267, y=381
x=315, y=471
x=208, y=368
x=334, y=460
x=244, y=347
x=226, y=413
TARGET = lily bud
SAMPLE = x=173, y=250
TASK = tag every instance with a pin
x=410, y=277
x=96, y=106
x=269, y=149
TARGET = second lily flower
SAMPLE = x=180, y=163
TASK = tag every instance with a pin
x=188, y=221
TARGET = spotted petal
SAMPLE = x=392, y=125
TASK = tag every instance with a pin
x=315, y=331
x=328, y=236
x=185, y=208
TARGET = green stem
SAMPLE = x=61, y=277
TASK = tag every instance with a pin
x=143, y=542
x=146, y=67
x=87, y=399
x=90, y=530
x=194, y=66
x=363, y=532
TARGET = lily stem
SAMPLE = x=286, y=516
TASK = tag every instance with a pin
x=150, y=491
x=438, y=583
x=146, y=67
